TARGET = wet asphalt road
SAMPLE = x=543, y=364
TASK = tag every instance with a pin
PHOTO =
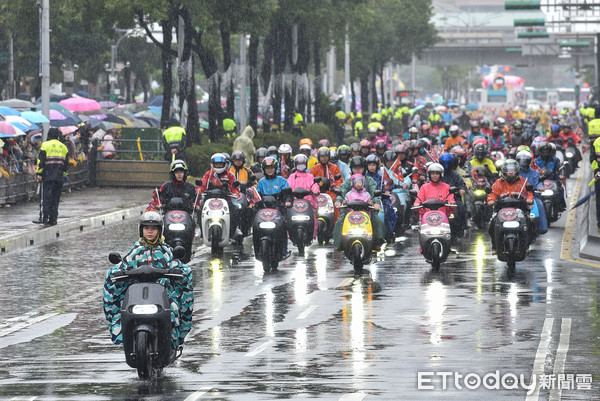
x=311, y=330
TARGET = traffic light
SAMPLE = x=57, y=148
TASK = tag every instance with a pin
x=522, y=5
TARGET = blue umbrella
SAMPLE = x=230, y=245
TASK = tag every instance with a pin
x=23, y=127
x=156, y=101
x=453, y=104
x=9, y=111
x=35, y=117
x=419, y=107
x=472, y=106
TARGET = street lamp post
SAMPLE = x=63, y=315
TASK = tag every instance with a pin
x=113, y=55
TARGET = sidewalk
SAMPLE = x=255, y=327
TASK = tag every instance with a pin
x=78, y=211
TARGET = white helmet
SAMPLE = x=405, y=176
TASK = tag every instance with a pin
x=435, y=167
x=152, y=219
x=284, y=148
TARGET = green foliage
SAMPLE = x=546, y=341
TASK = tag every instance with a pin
x=198, y=156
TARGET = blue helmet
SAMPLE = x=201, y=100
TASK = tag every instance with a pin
x=448, y=161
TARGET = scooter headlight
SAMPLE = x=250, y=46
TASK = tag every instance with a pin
x=176, y=227
x=510, y=224
x=479, y=192
x=215, y=214
x=548, y=192
x=300, y=218
x=144, y=309
x=570, y=155
x=357, y=232
x=267, y=225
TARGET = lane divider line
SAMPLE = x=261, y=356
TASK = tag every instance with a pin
x=28, y=323
x=198, y=394
x=307, y=312
x=540, y=356
x=260, y=348
x=353, y=397
x=561, y=357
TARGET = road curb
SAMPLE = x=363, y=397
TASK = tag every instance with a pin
x=49, y=234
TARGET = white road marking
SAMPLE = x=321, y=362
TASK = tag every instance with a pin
x=260, y=348
x=198, y=394
x=561, y=357
x=28, y=323
x=307, y=312
x=344, y=283
x=540, y=356
x=353, y=397
x=23, y=398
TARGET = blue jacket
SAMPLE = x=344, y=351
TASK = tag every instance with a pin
x=376, y=177
x=532, y=176
x=272, y=186
x=344, y=169
x=550, y=168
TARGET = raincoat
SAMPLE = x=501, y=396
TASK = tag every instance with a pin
x=245, y=144
x=180, y=292
x=438, y=190
x=304, y=179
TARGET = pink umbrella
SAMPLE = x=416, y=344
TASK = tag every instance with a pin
x=80, y=104
x=57, y=115
x=7, y=128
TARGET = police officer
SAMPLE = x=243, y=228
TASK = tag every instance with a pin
x=174, y=143
x=594, y=133
x=51, y=171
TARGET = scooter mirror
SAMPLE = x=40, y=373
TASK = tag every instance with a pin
x=198, y=181
x=178, y=252
x=413, y=193
x=252, y=178
x=529, y=187
x=114, y=257
x=377, y=193
x=236, y=184
x=453, y=190
x=415, y=170
x=318, y=179
x=337, y=191
x=338, y=176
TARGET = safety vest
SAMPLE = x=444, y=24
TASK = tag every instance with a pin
x=376, y=117
x=375, y=124
x=298, y=119
x=56, y=153
x=174, y=135
x=596, y=146
x=340, y=115
x=594, y=127
x=229, y=127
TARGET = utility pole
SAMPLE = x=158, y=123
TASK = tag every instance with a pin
x=45, y=61
x=242, y=125
x=11, y=68
x=347, y=73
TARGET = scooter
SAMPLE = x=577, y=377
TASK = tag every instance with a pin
x=247, y=213
x=549, y=195
x=434, y=231
x=481, y=188
x=179, y=227
x=268, y=233
x=146, y=317
x=357, y=235
x=301, y=220
x=325, y=212
x=511, y=228
x=215, y=218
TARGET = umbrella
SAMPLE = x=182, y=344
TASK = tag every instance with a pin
x=107, y=104
x=152, y=121
x=155, y=110
x=111, y=118
x=419, y=107
x=82, y=93
x=9, y=111
x=139, y=123
x=80, y=104
x=21, y=123
x=63, y=119
x=105, y=125
x=156, y=101
x=472, y=106
x=7, y=129
x=53, y=106
x=68, y=129
x=34, y=117
x=584, y=199
x=453, y=104
x=146, y=114
x=18, y=104
x=130, y=108
x=440, y=108
x=98, y=116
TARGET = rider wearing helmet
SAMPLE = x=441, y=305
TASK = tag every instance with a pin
x=516, y=135
x=358, y=166
x=412, y=133
x=277, y=186
x=380, y=147
x=475, y=131
x=261, y=153
x=480, y=158
x=178, y=187
x=286, y=162
x=328, y=170
x=151, y=250
x=509, y=183
x=354, y=149
x=454, y=137
x=454, y=179
x=524, y=158
x=334, y=158
x=373, y=165
x=365, y=147
x=241, y=172
x=496, y=140
x=272, y=151
x=435, y=188
x=306, y=149
x=549, y=165
x=344, y=154
x=301, y=178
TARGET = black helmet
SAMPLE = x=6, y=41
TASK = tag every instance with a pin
x=179, y=165
x=480, y=151
x=380, y=146
x=510, y=170
x=357, y=161
x=261, y=152
x=151, y=219
x=545, y=151
x=372, y=159
x=323, y=151
x=389, y=155
x=238, y=155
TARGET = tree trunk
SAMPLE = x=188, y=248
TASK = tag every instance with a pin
x=303, y=64
x=267, y=65
x=353, y=106
x=364, y=96
x=228, y=75
x=317, y=61
x=374, y=88
x=167, y=72
x=382, y=84
x=209, y=66
x=279, y=59
x=253, y=64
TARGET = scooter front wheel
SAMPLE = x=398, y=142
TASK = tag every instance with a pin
x=436, y=250
x=143, y=355
x=510, y=249
x=215, y=239
x=265, y=256
x=357, y=250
